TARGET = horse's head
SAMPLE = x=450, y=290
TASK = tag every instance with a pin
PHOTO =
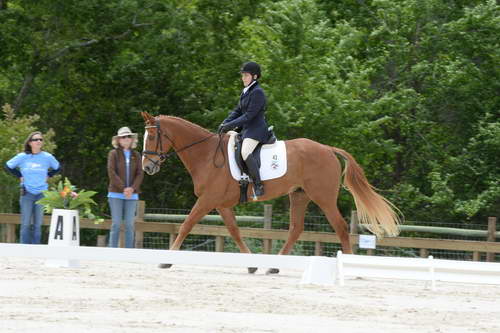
x=156, y=144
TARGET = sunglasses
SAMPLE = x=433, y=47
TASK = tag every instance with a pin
x=38, y=139
x=126, y=137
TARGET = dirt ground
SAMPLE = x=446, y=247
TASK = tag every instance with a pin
x=126, y=297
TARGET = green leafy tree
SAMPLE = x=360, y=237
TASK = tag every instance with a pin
x=409, y=87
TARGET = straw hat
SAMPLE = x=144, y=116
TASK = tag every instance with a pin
x=124, y=131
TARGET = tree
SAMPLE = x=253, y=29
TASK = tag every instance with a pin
x=41, y=36
x=409, y=87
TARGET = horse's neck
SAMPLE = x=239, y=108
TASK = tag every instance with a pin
x=185, y=134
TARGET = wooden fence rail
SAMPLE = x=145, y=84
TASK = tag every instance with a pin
x=268, y=235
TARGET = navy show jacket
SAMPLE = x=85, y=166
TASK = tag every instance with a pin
x=249, y=114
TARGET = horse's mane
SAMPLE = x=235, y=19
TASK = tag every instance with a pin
x=187, y=122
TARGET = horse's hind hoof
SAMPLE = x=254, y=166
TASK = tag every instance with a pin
x=164, y=265
x=272, y=271
x=252, y=270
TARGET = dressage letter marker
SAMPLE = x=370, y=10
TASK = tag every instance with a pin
x=59, y=228
x=75, y=229
x=64, y=232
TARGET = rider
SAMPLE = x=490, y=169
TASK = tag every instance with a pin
x=249, y=115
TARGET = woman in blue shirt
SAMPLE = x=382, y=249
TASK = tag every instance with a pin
x=125, y=178
x=32, y=168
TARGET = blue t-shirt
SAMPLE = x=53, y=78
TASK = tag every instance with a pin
x=117, y=195
x=34, y=168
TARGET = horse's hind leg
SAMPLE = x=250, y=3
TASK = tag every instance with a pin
x=323, y=189
x=229, y=219
x=338, y=224
x=329, y=206
x=298, y=206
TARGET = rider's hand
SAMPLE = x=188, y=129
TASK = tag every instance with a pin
x=223, y=128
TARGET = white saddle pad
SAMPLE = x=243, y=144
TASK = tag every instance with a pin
x=273, y=162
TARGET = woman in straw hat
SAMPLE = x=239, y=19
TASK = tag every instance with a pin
x=125, y=178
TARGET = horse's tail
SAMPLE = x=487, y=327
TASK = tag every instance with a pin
x=373, y=210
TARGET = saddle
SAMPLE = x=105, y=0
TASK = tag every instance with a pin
x=244, y=179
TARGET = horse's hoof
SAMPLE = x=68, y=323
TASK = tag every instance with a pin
x=272, y=271
x=252, y=270
x=164, y=265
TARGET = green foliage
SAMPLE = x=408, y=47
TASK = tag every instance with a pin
x=409, y=87
x=66, y=196
x=470, y=181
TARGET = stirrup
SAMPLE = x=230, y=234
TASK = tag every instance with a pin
x=258, y=190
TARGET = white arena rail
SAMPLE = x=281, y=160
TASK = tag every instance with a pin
x=427, y=269
x=155, y=256
x=317, y=270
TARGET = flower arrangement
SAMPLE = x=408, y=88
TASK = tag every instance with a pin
x=66, y=196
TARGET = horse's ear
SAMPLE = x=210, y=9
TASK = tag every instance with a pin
x=147, y=117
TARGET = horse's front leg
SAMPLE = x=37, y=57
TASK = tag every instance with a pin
x=199, y=210
x=229, y=219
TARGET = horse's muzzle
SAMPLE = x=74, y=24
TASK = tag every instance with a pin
x=151, y=169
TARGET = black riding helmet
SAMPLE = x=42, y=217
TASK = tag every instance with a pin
x=251, y=67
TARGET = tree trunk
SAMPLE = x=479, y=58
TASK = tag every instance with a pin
x=28, y=83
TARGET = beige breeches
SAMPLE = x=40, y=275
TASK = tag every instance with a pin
x=247, y=147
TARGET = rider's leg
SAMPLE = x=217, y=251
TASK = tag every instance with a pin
x=247, y=148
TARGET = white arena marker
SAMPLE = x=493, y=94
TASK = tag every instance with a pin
x=64, y=232
x=320, y=271
x=367, y=242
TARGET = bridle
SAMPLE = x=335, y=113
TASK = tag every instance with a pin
x=164, y=155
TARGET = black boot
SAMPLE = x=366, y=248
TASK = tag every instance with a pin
x=253, y=170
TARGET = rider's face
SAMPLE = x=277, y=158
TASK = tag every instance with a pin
x=246, y=78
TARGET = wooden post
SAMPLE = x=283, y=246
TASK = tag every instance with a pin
x=267, y=244
x=141, y=208
x=354, y=229
x=492, y=228
x=10, y=233
x=476, y=256
x=139, y=239
x=318, y=249
x=424, y=253
x=171, y=240
x=3, y=233
x=139, y=235
x=101, y=240
x=370, y=252
x=219, y=243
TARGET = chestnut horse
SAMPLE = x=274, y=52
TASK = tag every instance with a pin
x=313, y=173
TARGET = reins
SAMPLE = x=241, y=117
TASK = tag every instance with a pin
x=219, y=147
x=163, y=155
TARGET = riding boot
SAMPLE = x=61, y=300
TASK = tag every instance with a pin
x=253, y=170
